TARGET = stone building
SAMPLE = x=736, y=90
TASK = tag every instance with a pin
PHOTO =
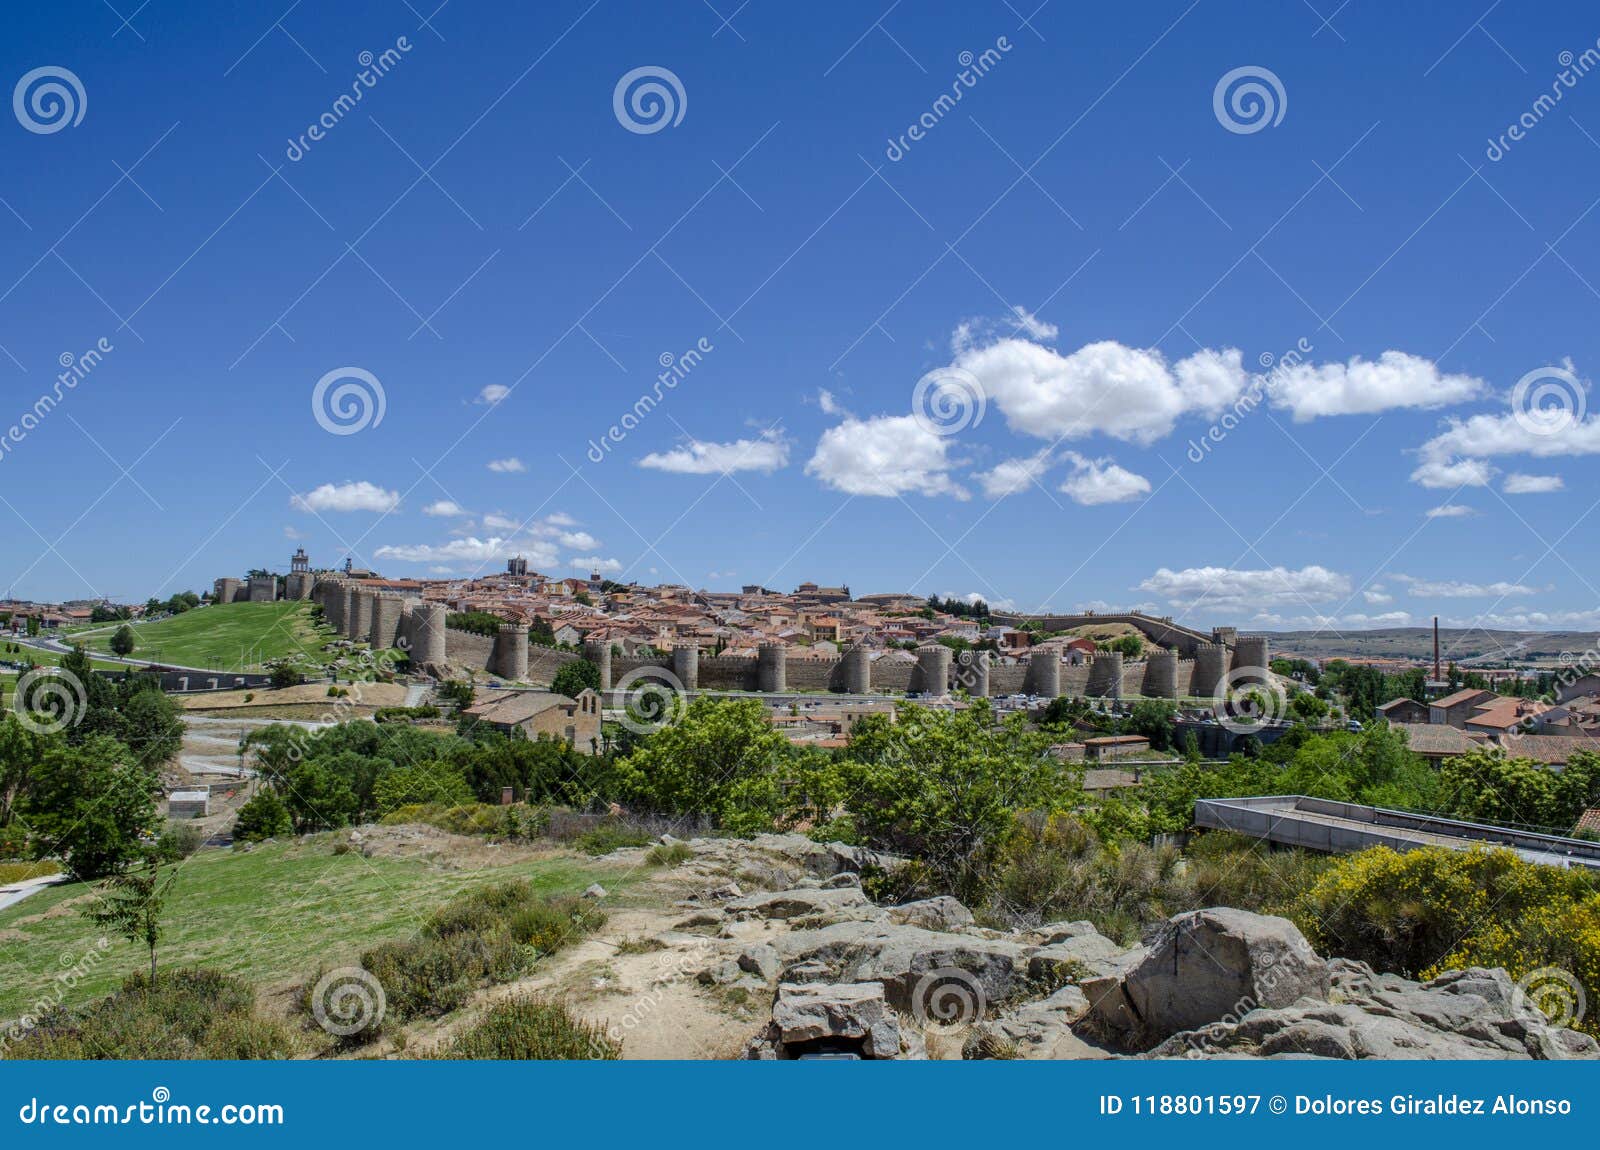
x=535, y=713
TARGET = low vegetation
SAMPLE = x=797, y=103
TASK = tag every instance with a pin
x=522, y=1028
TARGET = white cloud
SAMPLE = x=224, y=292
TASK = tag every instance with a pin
x=354, y=496
x=1033, y=325
x=1450, y=511
x=829, y=404
x=493, y=393
x=1225, y=587
x=885, y=455
x=471, y=551
x=1010, y=476
x=497, y=522
x=1339, y=623
x=1377, y=597
x=1096, y=481
x=1456, y=589
x=560, y=519
x=1366, y=387
x=577, y=540
x=445, y=508
x=698, y=457
x=595, y=563
x=1437, y=472
x=1519, y=484
x=290, y=533
x=507, y=466
x=1105, y=388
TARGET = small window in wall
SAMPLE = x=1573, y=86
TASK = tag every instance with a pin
x=572, y=734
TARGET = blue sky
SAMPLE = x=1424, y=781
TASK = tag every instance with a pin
x=1094, y=252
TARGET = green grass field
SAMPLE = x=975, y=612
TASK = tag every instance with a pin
x=226, y=637
x=270, y=916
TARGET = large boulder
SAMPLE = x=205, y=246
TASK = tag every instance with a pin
x=1203, y=967
x=1038, y=1029
x=1474, y=1013
x=1076, y=957
x=826, y=1018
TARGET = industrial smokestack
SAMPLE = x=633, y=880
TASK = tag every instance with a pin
x=1436, y=648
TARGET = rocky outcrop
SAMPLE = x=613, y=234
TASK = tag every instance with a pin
x=1202, y=967
x=848, y=978
x=1474, y=1013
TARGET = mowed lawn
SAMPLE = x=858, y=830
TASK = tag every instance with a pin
x=226, y=636
x=271, y=916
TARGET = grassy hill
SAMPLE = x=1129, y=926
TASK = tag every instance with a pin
x=270, y=916
x=226, y=637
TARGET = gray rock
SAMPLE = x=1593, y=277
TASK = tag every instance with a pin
x=1206, y=966
x=1076, y=957
x=941, y=913
x=594, y=890
x=797, y=903
x=1034, y=1030
x=844, y=878
x=762, y=961
x=854, y=1016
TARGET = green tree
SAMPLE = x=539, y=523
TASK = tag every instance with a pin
x=123, y=642
x=284, y=675
x=576, y=676
x=91, y=804
x=942, y=786
x=1155, y=719
x=131, y=903
x=435, y=782
x=264, y=816
x=722, y=759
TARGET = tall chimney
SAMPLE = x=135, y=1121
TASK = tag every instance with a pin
x=1436, y=648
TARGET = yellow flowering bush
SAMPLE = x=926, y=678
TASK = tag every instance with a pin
x=1430, y=910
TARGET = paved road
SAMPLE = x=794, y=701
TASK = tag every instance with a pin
x=17, y=891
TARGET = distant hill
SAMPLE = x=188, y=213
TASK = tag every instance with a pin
x=1456, y=645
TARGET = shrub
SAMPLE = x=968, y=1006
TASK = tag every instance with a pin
x=663, y=854
x=610, y=836
x=489, y=935
x=179, y=841
x=1432, y=909
x=531, y=1028
x=185, y=1013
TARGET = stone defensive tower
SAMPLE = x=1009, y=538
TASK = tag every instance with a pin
x=598, y=652
x=1161, y=675
x=511, y=651
x=1105, y=675
x=686, y=665
x=772, y=668
x=427, y=634
x=1044, y=675
x=225, y=591
x=263, y=589
x=358, y=623
x=933, y=669
x=858, y=671
x=1210, y=666
x=387, y=609
x=1252, y=658
x=972, y=673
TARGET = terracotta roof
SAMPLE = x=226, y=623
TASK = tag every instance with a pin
x=1588, y=821
x=1552, y=750
x=1465, y=695
x=1435, y=738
